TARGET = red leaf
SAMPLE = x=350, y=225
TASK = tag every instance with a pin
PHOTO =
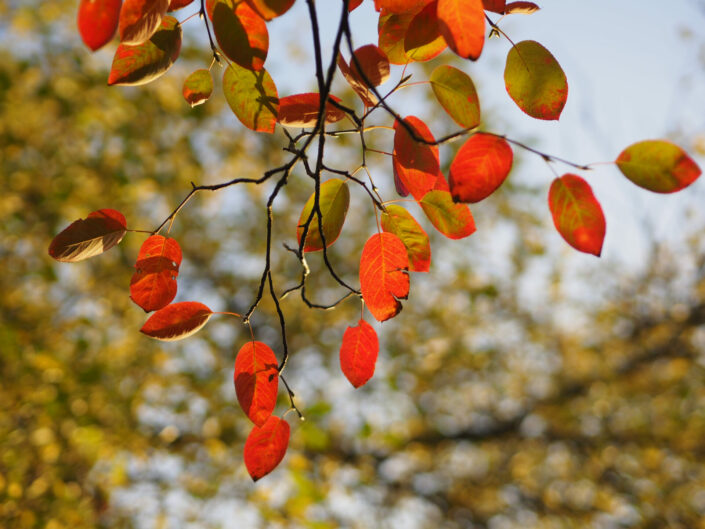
x=241, y=32
x=496, y=6
x=423, y=40
x=480, y=167
x=178, y=4
x=140, y=19
x=265, y=447
x=400, y=6
x=383, y=277
x=153, y=285
x=577, y=214
x=256, y=381
x=374, y=64
x=301, y=110
x=353, y=4
x=84, y=238
x=269, y=9
x=462, y=23
x=401, y=223
x=352, y=74
x=358, y=353
x=657, y=165
x=177, y=321
x=97, y=21
x=453, y=220
x=417, y=164
x=398, y=184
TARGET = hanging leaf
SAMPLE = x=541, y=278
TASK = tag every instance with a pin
x=353, y=4
x=374, y=64
x=399, y=221
x=456, y=93
x=480, y=167
x=418, y=164
x=520, y=8
x=136, y=65
x=496, y=6
x=535, y=80
x=266, y=446
x=357, y=84
x=240, y=31
x=198, y=87
x=334, y=200
x=657, y=165
x=452, y=220
x=383, y=277
x=358, y=353
x=423, y=40
x=391, y=30
x=462, y=24
x=398, y=184
x=178, y=4
x=140, y=19
x=269, y=9
x=97, y=21
x=256, y=381
x=252, y=96
x=84, y=238
x=301, y=110
x=153, y=285
x=177, y=321
x=577, y=214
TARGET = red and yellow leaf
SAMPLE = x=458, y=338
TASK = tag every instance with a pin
x=140, y=19
x=399, y=221
x=392, y=30
x=417, y=164
x=520, y=8
x=266, y=446
x=452, y=220
x=84, y=238
x=177, y=321
x=374, y=65
x=269, y=9
x=480, y=167
x=256, y=381
x=358, y=353
x=301, y=110
x=240, y=31
x=462, y=24
x=383, y=277
x=178, y=4
x=198, y=87
x=252, y=96
x=577, y=214
x=456, y=93
x=423, y=40
x=334, y=200
x=657, y=165
x=535, y=80
x=136, y=65
x=97, y=21
x=153, y=285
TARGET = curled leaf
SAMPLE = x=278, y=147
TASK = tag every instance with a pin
x=358, y=353
x=383, y=277
x=657, y=165
x=256, y=381
x=177, y=321
x=140, y=19
x=266, y=446
x=520, y=8
x=153, y=285
x=480, y=167
x=84, y=238
x=198, y=87
x=97, y=21
x=334, y=200
x=374, y=65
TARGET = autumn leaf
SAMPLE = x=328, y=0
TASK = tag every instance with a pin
x=140, y=19
x=252, y=97
x=240, y=31
x=301, y=110
x=178, y=4
x=153, y=285
x=417, y=164
x=353, y=4
x=479, y=167
x=383, y=277
x=400, y=6
x=520, y=8
x=391, y=30
x=177, y=321
x=657, y=165
x=256, y=381
x=358, y=353
x=453, y=220
x=496, y=6
x=198, y=87
x=84, y=238
x=333, y=201
x=423, y=40
x=577, y=214
x=456, y=93
x=401, y=223
x=374, y=65
x=269, y=9
x=266, y=446
x=97, y=21
x=462, y=24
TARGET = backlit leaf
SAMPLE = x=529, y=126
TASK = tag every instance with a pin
x=399, y=221
x=452, y=220
x=400, y=6
x=140, y=19
x=535, y=80
x=266, y=446
x=178, y=4
x=423, y=40
x=496, y=6
x=456, y=93
x=177, y=321
x=269, y=9
x=462, y=23
x=334, y=200
x=383, y=277
x=480, y=167
x=241, y=32
x=357, y=84
x=198, y=87
x=398, y=184
x=301, y=110
x=577, y=214
x=374, y=64
x=256, y=381
x=97, y=21
x=392, y=33
x=417, y=164
x=353, y=4
x=84, y=238
x=657, y=165
x=358, y=353
x=136, y=65
x=252, y=96
x=520, y=8
x=153, y=285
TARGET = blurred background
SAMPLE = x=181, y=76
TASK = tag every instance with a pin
x=524, y=385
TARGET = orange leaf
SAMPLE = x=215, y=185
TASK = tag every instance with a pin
x=241, y=32
x=89, y=237
x=266, y=446
x=577, y=214
x=423, y=40
x=97, y=21
x=391, y=30
x=480, y=167
x=452, y=220
x=358, y=353
x=177, y=321
x=417, y=164
x=383, y=277
x=140, y=19
x=153, y=285
x=462, y=23
x=256, y=381
x=401, y=223
x=301, y=110
x=400, y=6
x=269, y=9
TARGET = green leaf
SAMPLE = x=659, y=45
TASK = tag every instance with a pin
x=452, y=220
x=456, y=93
x=535, y=80
x=198, y=87
x=657, y=165
x=399, y=221
x=334, y=200
x=252, y=96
